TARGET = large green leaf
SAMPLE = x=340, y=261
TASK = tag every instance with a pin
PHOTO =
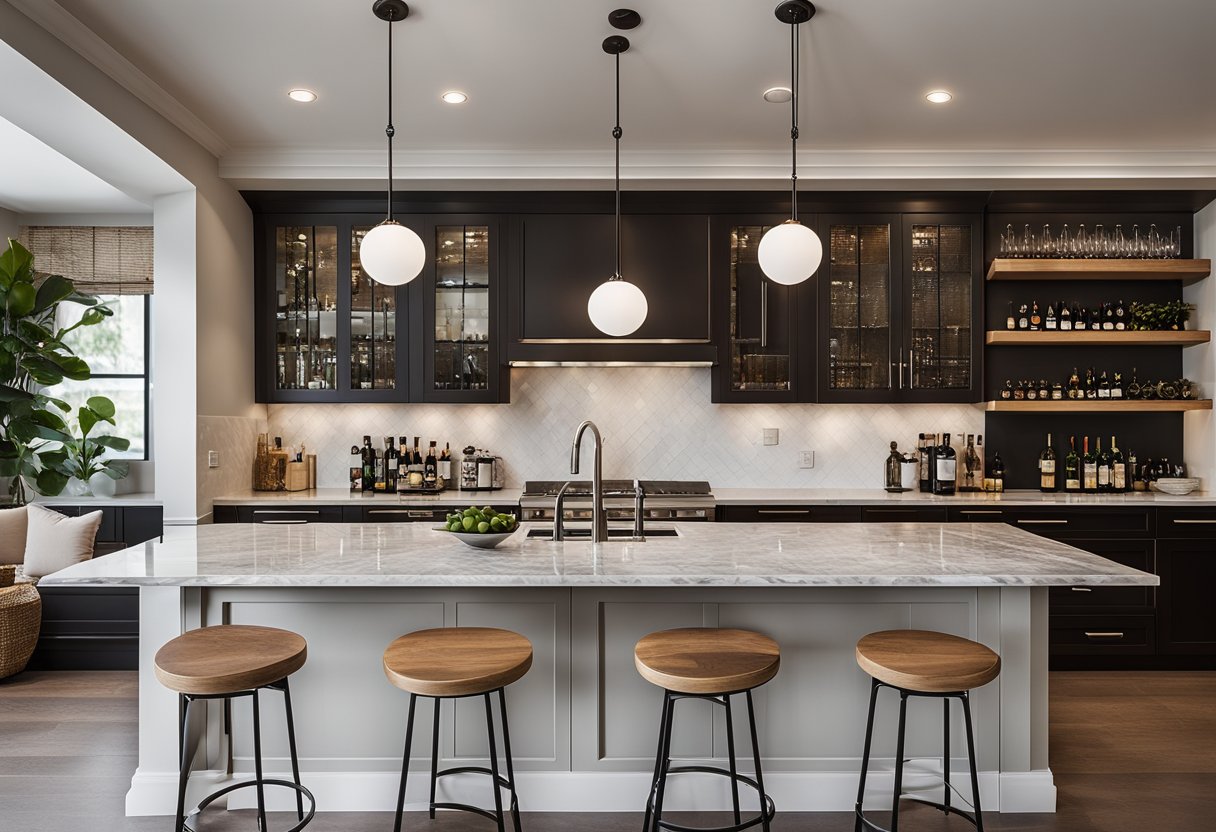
x=102, y=406
x=72, y=366
x=87, y=419
x=116, y=443
x=21, y=298
x=116, y=468
x=42, y=370
x=9, y=467
x=52, y=290
x=13, y=394
x=48, y=419
x=14, y=263
x=50, y=482
x=27, y=430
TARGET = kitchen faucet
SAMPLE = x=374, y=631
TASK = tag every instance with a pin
x=599, y=520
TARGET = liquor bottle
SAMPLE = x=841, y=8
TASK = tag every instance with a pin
x=1116, y=386
x=1051, y=321
x=1036, y=319
x=1057, y=392
x=1104, y=386
x=1091, y=385
x=945, y=467
x=1095, y=319
x=1011, y=322
x=1006, y=394
x=1032, y=390
x=1108, y=317
x=1044, y=390
x=1072, y=467
x=1047, y=468
x=1089, y=470
x=1065, y=318
x=430, y=466
x=931, y=462
x=369, y=464
x=1133, y=389
x=978, y=462
x=403, y=464
x=391, y=461
x=1074, y=385
x=1145, y=476
x=1120, y=317
x=922, y=455
x=1130, y=469
x=416, y=464
x=997, y=471
x=963, y=469
x=445, y=462
x=1023, y=317
x=1118, y=468
x=1105, y=483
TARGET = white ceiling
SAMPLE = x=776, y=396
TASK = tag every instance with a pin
x=35, y=178
x=1038, y=75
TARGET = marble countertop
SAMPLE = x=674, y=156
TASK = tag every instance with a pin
x=704, y=554
x=344, y=496
x=873, y=496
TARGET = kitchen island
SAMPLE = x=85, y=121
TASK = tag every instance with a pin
x=583, y=722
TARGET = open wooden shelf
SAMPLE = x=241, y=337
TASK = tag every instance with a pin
x=1099, y=269
x=1100, y=406
x=1117, y=338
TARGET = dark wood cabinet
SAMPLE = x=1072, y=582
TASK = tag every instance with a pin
x=1138, y=554
x=920, y=514
x=789, y=514
x=1187, y=567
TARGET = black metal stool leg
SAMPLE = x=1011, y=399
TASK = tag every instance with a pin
x=257, y=761
x=975, y=779
x=183, y=705
x=730, y=750
x=751, y=718
x=899, y=761
x=434, y=756
x=494, y=765
x=865, y=753
x=405, y=762
x=664, y=758
x=658, y=765
x=506, y=747
x=946, y=752
x=291, y=744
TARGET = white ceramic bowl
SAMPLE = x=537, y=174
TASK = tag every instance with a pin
x=478, y=541
x=1176, y=486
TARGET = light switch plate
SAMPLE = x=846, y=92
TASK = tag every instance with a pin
x=806, y=459
x=213, y=459
x=772, y=436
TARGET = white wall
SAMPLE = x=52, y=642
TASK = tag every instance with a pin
x=658, y=422
x=1199, y=363
x=9, y=223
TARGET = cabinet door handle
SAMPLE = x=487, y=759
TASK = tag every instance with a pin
x=980, y=511
x=1195, y=522
x=764, y=313
x=1042, y=522
x=1103, y=635
x=1081, y=589
x=283, y=522
x=911, y=364
x=285, y=511
x=408, y=512
x=783, y=511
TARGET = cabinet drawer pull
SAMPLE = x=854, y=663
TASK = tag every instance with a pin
x=285, y=511
x=1042, y=522
x=980, y=511
x=408, y=512
x=1081, y=589
x=1103, y=635
x=783, y=511
x=1195, y=522
x=895, y=510
x=282, y=522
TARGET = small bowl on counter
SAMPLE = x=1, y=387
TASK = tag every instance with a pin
x=477, y=540
x=1176, y=486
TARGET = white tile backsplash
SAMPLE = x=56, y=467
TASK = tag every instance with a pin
x=657, y=422
x=235, y=439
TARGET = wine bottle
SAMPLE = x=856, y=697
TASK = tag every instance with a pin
x=1091, y=385
x=369, y=464
x=1032, y=390
x=997, y=470
x=1074, y=385
x=1023, y=317
x=403, y=464
x=1130, y=468
x=1011, y=322
x=1095, y=321
x=979, y=462
x=1047, y=468
x=1104, y=386
x=1006, y=394
x=1051, y=322
x=1120, y=317
x=931, y=462
x=391, y=460
x=1089, y=470
x=1072, y=467
x=945, y=467
x=1065, y=318
x=1116, y=386
x=1118, y=468
x=1104, y=484
x=922, y=458
x=1036, y=319
x=1044, y=390
x=1133, y=389
x=430, y=466
x=1108, y=317
x=418, y=454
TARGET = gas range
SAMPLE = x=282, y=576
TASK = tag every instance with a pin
x=662, y=499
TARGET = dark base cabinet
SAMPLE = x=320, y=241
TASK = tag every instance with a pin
x=1188, y=574
x=789, y=514
x=96, y=628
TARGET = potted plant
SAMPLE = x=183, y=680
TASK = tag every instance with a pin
x=85, y=463
x=33, y=359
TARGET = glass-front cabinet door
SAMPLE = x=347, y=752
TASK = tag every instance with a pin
x=305, y=301
x=859, y=309
x=375, y=324
x=461, y=363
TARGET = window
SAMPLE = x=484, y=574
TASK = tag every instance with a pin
x=117, y=353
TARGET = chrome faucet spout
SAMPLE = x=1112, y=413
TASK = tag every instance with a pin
x=599, y=520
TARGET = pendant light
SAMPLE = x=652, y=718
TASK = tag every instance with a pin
x=791, y=252
x=391, y=253
x=618, y=307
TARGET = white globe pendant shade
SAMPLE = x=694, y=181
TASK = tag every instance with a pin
x=789, y=253
x=617, y=308
x=392, y=254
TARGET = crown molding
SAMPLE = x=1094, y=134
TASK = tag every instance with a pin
x=288, y=167
x=56, y=20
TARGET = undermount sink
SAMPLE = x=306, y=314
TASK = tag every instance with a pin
x=613, y=534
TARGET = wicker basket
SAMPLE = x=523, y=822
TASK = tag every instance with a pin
x=20, y=620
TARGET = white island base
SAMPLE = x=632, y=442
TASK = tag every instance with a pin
x=583, y=723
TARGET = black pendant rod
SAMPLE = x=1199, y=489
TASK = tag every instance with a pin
x=616, y=135
x=389, y=131
x=794, y=120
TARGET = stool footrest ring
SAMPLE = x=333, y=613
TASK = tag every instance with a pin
x=503, y=783
x=767, y=813
x=245, y=784
x=941, y=807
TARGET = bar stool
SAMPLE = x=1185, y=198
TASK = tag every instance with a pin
x=713, y=665
x=929, y=664
x=454, y=663
x=227, y=662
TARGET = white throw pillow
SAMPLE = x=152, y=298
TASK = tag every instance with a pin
x=12, y=535
x=54, y=541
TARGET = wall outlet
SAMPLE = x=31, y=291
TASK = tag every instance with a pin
x=772, y=436
x=806, y=459
x=213, y=459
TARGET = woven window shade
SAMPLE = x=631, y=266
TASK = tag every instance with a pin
x=100, y=260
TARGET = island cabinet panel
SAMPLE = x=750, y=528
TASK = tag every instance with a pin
x=789, y=514
x=562, y=258
x=291, y=516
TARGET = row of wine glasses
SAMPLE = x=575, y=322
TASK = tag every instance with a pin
x=1099, y=243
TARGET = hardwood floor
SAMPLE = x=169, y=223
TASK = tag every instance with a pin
x=1131, y=751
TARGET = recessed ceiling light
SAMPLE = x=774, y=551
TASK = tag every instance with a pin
x=938, y=97
x=777, y=95
x=302, y=95
x=454, y=97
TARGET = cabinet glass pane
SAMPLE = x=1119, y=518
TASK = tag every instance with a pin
x=859, y=308
x=941, y=307
x=306, y=297
x=373, y=326
x=462, y=307
x=759, y=337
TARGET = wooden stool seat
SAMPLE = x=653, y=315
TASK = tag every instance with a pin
x=707, y=660
x=926, y=661
x=457, y=661
x=229, y=658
